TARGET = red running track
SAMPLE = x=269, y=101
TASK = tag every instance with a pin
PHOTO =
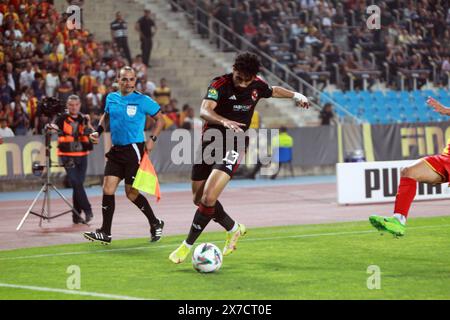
x=253, y=206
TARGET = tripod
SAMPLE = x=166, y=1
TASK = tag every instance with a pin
x=46, y=189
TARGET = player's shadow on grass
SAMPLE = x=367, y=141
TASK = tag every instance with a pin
x=191, y=270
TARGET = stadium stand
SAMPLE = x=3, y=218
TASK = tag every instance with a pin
x=411, y=48
x=325, y=43
x=40, y=58
x=389, y=106
x=328, y=44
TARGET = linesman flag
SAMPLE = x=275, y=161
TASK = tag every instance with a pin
x=146, y=179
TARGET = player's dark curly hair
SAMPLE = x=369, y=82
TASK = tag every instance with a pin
x=248, y=63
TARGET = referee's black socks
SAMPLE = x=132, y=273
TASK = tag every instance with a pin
x=143, y=205
x=108, y=206
x=202, y=217
x=222, y=218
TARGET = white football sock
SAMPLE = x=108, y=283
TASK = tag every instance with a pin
x=400, y=218
x=235, y=227
x=187, y=244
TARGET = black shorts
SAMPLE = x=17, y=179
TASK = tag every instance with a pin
x=232, y=156
x=123, y=161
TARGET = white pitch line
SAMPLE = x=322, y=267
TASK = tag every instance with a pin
x=242, y=240
x=82, y=252
x=73, y=292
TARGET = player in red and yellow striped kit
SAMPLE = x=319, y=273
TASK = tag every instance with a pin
x=432, y=169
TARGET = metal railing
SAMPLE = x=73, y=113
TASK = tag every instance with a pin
x=226, y=39
x=365, y=75
x=413, y=75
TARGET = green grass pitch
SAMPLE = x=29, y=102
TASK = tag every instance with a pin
x=328, y=261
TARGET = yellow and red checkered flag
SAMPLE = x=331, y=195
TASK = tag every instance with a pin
x=146, y=179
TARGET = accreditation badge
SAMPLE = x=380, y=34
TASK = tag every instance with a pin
x=131, y=110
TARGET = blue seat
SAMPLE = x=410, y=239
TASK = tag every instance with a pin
x=424, y=117
x=439, y=116
x=412, y=117
x=392, y=96
x=386, y=120
x=372, y=107
x=377, y=106
x=402, y=117
x=354, y=104
x=419, y=101
x=399, y=117
x=352, y=95
x=446, y=101
x=381, y=101
x=404, y=95
x=365, y=95
x=341, y=101
x=373, y=118
x=443, y=93
x=419, y=109
x=416, y=93
x=340, y=113
x=323, y=97
x=401, y=108
x=378, y=95
x=428, y=93
x=389, y=107
x=337, y=95
x=404, y=100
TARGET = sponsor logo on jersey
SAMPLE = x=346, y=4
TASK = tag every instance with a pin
x=131, y=110
x=239, y=107
x=233, y=97
x=254, y=95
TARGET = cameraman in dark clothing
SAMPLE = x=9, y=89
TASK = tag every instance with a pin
x=73, y=147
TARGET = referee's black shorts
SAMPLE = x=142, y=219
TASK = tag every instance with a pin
x=124, y=161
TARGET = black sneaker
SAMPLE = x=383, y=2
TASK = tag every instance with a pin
x=89, y=217
x=76, y=219
x=98, y=235
x=156, y=231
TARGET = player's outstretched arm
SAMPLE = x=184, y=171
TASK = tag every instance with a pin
x=438, y=107
x=208, y=114
x=300, y=100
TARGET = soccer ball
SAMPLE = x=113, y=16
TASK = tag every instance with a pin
x=207, y=258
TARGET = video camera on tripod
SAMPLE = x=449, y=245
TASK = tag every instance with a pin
x=49, y=107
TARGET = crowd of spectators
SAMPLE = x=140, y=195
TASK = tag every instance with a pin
x=41, y=57
x=333, y=36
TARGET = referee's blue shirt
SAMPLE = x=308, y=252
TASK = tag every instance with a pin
x=127, y=115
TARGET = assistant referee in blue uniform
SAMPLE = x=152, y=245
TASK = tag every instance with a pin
x=127, y=110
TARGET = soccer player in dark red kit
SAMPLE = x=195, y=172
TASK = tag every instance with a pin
x=432, y=169
x=228, y=105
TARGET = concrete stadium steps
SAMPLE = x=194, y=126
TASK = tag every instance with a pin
x=187, y=69
x=275, y=112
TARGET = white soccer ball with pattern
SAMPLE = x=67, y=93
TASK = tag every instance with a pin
x=207, y=258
